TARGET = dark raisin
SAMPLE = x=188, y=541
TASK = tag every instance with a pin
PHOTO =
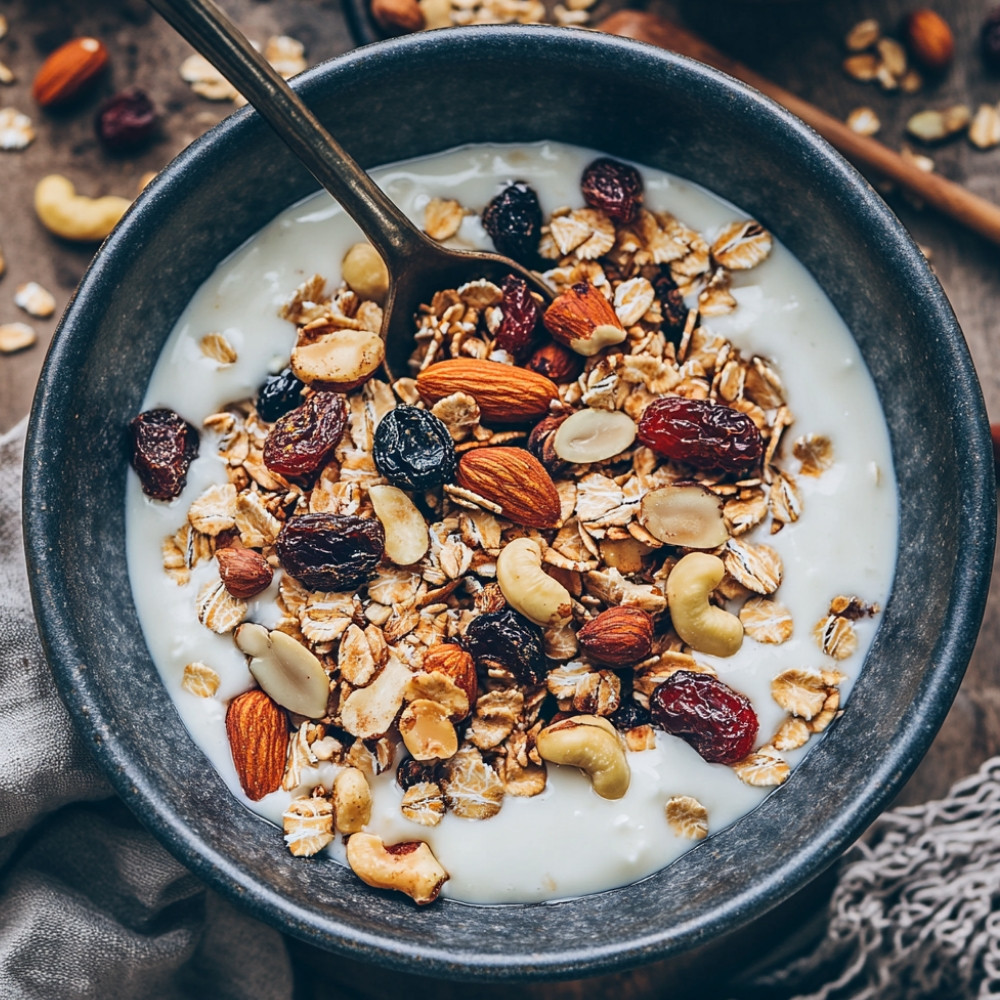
x=613, y=187
x=513, y=220
x=675, y=312
x=715, y=720
x=506, y=640
x=413, y=772
x=126, y=120
x=163, y=446
x=541, y=445
x=521, y=315
x=279, y=394
x=337, y=552
x=629, y=715
x=413, y=449
x=302, y=440
x=701, y=433
x=989, y=40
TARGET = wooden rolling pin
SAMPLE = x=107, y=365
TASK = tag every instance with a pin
x=949, y=198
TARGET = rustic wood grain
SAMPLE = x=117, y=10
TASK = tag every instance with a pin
x=796, y=44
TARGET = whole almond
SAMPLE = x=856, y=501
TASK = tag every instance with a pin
x=619, y=637
x=505, y=394
x=515, y=480
x=930, y=40
x=555, y=362
x=584, y=320
x=258, y=740
x=245, y=572
x=397, y=16
x=456, y=664
x=68, y=71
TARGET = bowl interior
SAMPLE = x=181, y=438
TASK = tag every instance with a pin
x=418, y=95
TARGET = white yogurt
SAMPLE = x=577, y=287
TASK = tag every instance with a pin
x=566, y=841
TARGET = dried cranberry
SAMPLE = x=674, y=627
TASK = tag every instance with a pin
x=516, y=333
x=715, y=720
x=701, y=433
x=505, y=640
x=279, y=394
x=613, y=187
x=302, y=440
x=989, y=40
x=126, y=120
x=163, y=446
x=675, y=312
x=337, y=552
x=629, y=715
x=414, y=772
x=413, y=449
x=513, y=220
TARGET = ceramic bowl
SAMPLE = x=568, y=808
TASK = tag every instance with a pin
x=418, y=95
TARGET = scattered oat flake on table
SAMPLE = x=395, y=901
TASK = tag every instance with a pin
x=863, y=35
x=206, y=81
x=3, y=263
x=35, y=300
x=984, y=132
x=15, y=337
x=3, y=26
x=15, y=129
x=286, y=55
x=864, y=121
x=6, y=73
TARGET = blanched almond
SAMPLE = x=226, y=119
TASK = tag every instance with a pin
x=406, y=535
x=593, y=435
x=690, y=516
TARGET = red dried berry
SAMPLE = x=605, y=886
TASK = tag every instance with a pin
x=614, y=187
x=163, y=446
x=701, y=433
x=521, y=314
x=302, y=440
x=989, y=40
x=331, y=552
x=513, y=220
x=715, y=720
x=126, y=120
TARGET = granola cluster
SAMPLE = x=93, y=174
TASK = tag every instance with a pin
x=533, y=609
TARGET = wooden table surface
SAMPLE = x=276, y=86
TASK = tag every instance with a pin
x=797, y=43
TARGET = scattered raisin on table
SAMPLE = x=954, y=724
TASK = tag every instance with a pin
x=279, y=394
x=701, y=433
x=715, y=720
x=614, y=187
x=302, y=440
x=989, y=40
x=521, y=315
x=506, y=640
x=413, y=449
x=126, y=120
x=513, y=220
x=336, y=552
x=163, y=446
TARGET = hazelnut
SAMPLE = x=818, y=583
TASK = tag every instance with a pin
x=618, y=637
x=245, y=572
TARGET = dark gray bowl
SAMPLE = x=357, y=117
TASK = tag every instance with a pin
x=417, y=95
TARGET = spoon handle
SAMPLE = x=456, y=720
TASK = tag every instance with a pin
x=212, y=34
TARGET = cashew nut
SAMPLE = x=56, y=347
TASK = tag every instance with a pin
x=352, y=800
x=528, y=589
x=341, y=360
x=591, y=744
x=409, y=867
x=73, y=216
x=701, y=625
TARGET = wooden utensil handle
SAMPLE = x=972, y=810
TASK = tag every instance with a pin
x=950, y=199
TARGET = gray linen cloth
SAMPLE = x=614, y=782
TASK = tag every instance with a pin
x=91, y=906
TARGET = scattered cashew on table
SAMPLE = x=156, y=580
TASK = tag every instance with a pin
x=73, y=216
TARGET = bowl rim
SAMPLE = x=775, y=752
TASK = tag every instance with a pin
x=938, y=687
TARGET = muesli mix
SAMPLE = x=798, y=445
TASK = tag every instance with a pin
x=512, y=557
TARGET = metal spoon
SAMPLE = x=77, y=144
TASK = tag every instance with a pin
x=417, y=265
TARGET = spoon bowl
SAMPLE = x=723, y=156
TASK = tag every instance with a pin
x=417, y=265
